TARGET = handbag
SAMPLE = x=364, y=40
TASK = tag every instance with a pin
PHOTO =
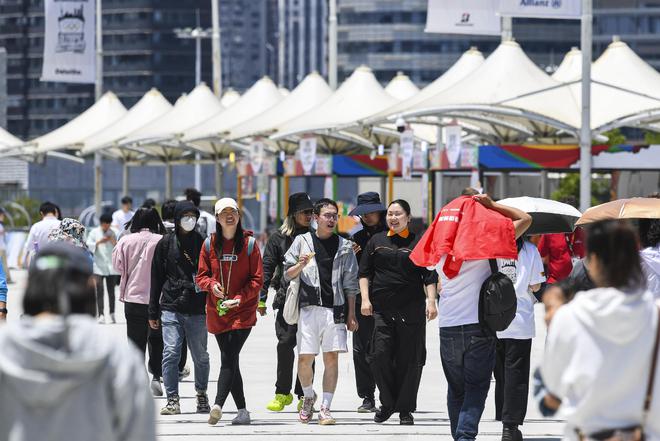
x=291, y=312
x=633, y=433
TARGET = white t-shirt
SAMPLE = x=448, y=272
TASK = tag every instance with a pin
x=119, y=219
x=525, y=271
x=458, y=302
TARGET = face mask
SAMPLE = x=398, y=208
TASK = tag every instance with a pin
x=188, y=223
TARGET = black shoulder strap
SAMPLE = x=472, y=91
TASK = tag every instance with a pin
x=654, y=360
x=493, y=266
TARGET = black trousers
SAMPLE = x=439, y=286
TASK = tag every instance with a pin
x=230, y=379
x=364, y=378
x=140, y=333
x=397, y=355
x=110, y=282
x=286, y=345
x=512, y=361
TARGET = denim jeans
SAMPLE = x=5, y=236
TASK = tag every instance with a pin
x=468, y=359
x=176, y=327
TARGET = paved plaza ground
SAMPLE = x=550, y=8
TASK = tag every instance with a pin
x=258, y=369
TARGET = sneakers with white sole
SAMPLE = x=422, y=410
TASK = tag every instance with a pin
x=172, y=407
x=242, y=418
x=307, y=411
x=325, y=417
x=101, y=319
x=215, y=414
x=203, y=403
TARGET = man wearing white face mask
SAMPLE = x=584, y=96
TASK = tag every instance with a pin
x=177, y=303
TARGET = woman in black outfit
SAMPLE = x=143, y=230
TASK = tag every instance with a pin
x=400, y=296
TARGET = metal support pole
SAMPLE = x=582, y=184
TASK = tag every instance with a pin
x=332, y=44
x=585, y=129
x=198, y=80
x=390, y=186
x=215, y=43
x=124, y=178
x=507, y=28
x=218, y=178
x=281, y=31
x=168, y=180
x=98, y=92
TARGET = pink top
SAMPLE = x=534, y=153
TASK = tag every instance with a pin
x=132, y=258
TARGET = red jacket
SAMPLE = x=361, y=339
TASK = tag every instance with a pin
x=556, y=248
x=465, y=230
x=245, y=284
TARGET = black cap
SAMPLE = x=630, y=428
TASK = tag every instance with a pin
x=299, y=202
x=62, y=256
x=368, y=202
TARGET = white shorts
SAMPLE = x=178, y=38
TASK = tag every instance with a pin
x=318, y=332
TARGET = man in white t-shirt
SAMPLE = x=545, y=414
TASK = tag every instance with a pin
x=38, y=235
x=122, y=216
x=206, y=222
x=514, y=344
x=466, y=350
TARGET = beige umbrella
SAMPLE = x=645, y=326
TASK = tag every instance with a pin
x=633, y=208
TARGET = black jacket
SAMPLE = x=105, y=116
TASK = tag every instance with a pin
x=362, y=237
x=273, y=264
x=172, y=274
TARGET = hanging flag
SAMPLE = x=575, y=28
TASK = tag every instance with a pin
x=307, y=153
x=69, y=43
x=272, y=199
x=407, y=141
x=453, y=144
x=465, y=17
x=562, y=9
x=256, y=155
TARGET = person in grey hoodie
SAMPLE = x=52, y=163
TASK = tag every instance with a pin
x=63, y=377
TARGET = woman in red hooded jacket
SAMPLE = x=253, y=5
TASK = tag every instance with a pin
x=230, y=270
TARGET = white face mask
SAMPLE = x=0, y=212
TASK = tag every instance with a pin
x=188, y=223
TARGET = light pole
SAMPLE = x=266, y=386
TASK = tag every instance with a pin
x=198, y=34
x=332, y=44
x=98, y=92
x=585, y=129
x=216, y=48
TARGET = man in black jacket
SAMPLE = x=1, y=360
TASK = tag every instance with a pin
x=179, y=305
x=372, y=216
x=298, y=220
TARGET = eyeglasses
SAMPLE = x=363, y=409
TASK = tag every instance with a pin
x=330, y=217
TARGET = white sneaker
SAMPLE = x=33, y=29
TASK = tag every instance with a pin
x=112, y=318
x=215, y=415
x=101, y=319
x=184, y=373
x=242, y=418
x=156, y=387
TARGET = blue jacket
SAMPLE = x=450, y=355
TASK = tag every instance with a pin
x=3, y=284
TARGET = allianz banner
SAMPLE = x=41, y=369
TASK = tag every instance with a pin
x=69, y=43
x=466, y=17
x=566, y=9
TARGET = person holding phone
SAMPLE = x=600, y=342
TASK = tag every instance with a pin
x=400, y=296
x=101, y=241
x=230, y=270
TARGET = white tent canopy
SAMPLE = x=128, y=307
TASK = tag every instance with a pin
x=311, y=92
x=401, y=87
x=624, y=89
x=483, y=96
x=188, y=111
x=357, y=98
x=209, y=135
x=7, y=140
x=101, y=114
x=151, y=106
x=229, y=98
x=468, y=62
x=570, y=68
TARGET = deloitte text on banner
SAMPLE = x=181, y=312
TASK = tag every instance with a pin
x=69, y=44
x=566, y=9
x=467, y=17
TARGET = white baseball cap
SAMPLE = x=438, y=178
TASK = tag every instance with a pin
x=225, y=203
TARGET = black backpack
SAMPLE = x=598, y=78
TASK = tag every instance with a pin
x=497, y=301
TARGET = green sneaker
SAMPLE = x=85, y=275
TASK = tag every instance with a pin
x=278, y=403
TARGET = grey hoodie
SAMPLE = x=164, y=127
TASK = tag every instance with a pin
x=99, y=391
